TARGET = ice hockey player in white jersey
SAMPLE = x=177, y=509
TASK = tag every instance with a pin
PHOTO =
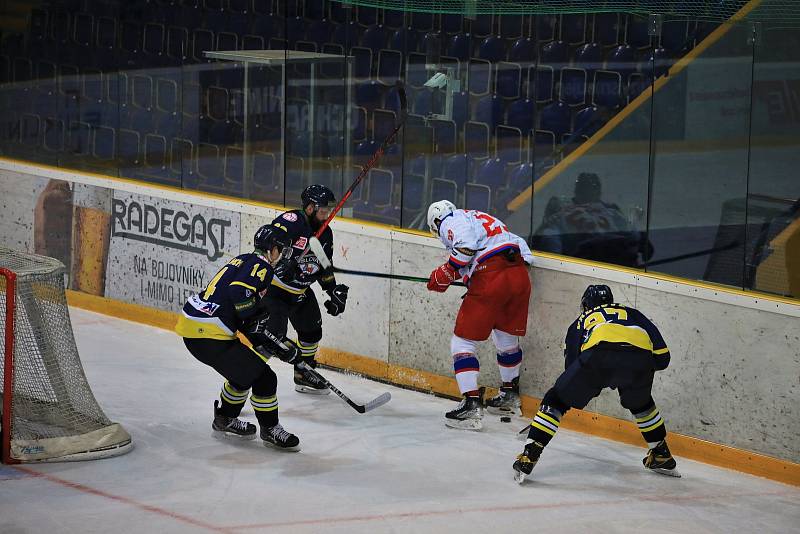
x=493, y=262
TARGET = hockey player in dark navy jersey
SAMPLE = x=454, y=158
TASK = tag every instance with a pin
x=233, y=301
x=290, y=298
x=608, y=346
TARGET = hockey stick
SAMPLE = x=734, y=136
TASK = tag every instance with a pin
x=380, y=400
x=368, y=166
x=391, y=276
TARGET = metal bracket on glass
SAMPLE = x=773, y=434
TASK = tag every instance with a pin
x=654, y=23
x=754, y=35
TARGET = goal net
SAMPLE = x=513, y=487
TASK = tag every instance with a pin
x=48, y=411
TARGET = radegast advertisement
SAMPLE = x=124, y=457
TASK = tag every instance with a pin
x=163, y=251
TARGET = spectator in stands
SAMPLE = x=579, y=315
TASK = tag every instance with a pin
x=586, y=227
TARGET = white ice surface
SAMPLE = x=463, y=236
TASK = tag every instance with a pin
x=396, y=469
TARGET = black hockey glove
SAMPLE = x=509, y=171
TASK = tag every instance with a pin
x=338, y=299
x=291, y=354
x=267, y=344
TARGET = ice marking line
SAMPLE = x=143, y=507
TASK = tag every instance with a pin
x=514, y=508
x=124, y=500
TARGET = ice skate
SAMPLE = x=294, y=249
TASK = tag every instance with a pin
x=507, y=401
x=468, y=415
x=231, y=427
x=660, y=460
x=305, y=382
x=276, y=436
x=525, y=462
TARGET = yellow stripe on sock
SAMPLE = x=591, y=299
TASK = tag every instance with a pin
x=547, y=418
x=649, y=428
x=543, y=428
x=649, y=416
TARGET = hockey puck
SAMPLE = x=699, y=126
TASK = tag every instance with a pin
x=505, y=419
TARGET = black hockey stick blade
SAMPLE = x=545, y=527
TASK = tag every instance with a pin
x=380, y=400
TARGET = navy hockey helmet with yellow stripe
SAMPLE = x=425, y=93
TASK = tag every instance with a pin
x=273, y=235
x=596, y=295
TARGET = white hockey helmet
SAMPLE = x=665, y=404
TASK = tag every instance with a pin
x=437, y=211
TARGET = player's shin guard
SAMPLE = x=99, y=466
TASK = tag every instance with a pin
x=509, y=364
x=232, y=399
x=266, y=409
x=466, y=368
x=544, y=425
x=650, y=424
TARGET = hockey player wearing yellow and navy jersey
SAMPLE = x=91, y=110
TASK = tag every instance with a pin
x=233, y=301
x=290, y=299
x=608, y=346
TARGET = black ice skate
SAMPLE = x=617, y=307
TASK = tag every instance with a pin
x=305, y=382
x=660, y=460
x=507, y=401
x=525, y=462
x=231, y=427
x=468, y=415
x=276, y=436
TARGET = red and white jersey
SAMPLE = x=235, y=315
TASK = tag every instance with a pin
x=473, y=237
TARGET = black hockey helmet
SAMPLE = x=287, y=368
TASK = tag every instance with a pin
x=273, y=235
x=317, y=194
x=596, y=295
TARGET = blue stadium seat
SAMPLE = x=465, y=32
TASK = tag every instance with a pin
x=228, y=41
x=442, y=189
x=234, y=169
x=587, y=121
x=621, y=59
x=656, y=63
x=637, y=32
x=637, y=84
x=362, y=62
x=456, y=169
x=267, y=27
x=423, y=102
x=340, y=13
x=104, y=143
x=80, y=135
x=181, y=160
x=415, y=201
x=520, y=178
x=458, y=46
x=358, y=123
x=492, y=49
x=60, y=26
x=444, y=136
x=155, y=157
x=482, y=25
x=573, y=86
x=83, y=30
x=364, y=150
x=509, y=80
x=253, y=42
x=460, y=107
x=296, y=179
x=404, y=40
x=480, y=77
x=573, y=28
x=37, y=25
x=53, y=134
x=375, y=38
x=390, y=64
x=523, y=51
x=478, y=197
x=509, y=147
x=209, y=166
x=391, y=99
x=541, y=80
x=606, y=29
x=265, y=177
x=675, y=36
x=489, y=109
x=545, y=28
x=295, y=28
x=555, y=117
x=512, y=26
x=607, y=89
x=153, y=44
x=381, y=186
x=177, y=48
x=202, y=40
x=346, y=34
x=521, y=114
x=491, y=173
x=217, y=100
x=320, y=32
x=384, y=121
x=452, y=23
x=368, y=94
x=130, y=36
x=554, y=53
x=416, y=71
x=422, y=21
x=544, y=146
x=589, y=57
x=476, y=139
x=128, y=149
